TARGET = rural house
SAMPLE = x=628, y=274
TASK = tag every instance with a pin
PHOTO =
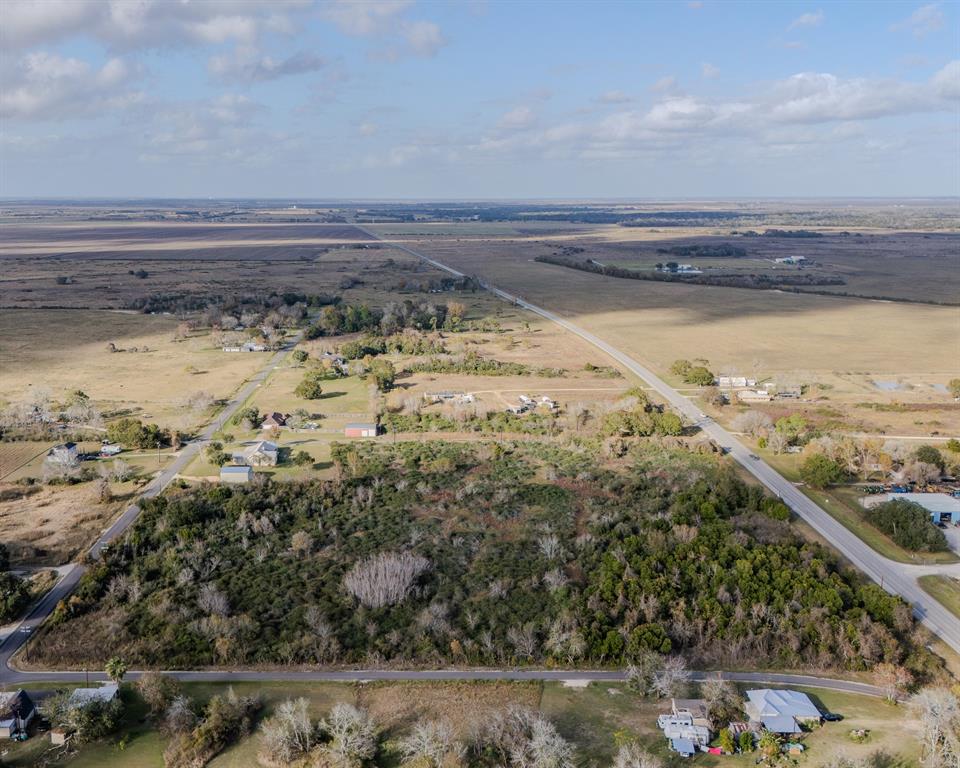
x=16, y=711
x=274, y=420
x=261, y=454
x=64, y=453
x=686, y=726
x=236, y=474
x=360, y=429
x=780, y=711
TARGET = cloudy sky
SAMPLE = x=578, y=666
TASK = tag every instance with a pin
x=460, y=99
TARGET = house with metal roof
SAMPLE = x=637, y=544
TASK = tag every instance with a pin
x=781, y=711
x=686, y=726
x=81, y=697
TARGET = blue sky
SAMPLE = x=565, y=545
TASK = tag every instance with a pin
x=402, y=99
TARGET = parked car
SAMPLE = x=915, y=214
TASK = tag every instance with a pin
x=831, y=717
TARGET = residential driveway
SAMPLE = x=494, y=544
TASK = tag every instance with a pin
x=953, y=537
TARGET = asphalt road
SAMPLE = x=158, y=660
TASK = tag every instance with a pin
x=13, y=641
x=39, y=679
x=896, y=578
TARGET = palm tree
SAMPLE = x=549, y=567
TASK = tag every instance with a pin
x=116, y=668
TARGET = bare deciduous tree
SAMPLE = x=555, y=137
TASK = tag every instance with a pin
x=431, y=744
x=938, y=711
x=632, y=755
x=352, y=733
x=212, y=601
x=179, y=717
x=385, y=578
x=669, y=680
x=753, y=423
x=289, y=734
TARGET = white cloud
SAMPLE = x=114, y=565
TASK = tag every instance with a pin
x=695, y=4
x=367, y=129
x=423, y=38
x=46, y=86
x=246, y=64
x=362, y=19
x=665, y=84
x=923, y=21
x=517, y=119
x=614, y=97
x=129, y=24
x=805, y=109
x=709, y=71
x=947, y=81
x=807, y=20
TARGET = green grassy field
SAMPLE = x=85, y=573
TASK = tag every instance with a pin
x=944, y=589
x=595, y=718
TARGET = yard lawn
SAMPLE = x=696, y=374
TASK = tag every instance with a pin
x=349, y=395
x=35, y=347
x=841, y=502
x=317, y=446
x=594, y=718
x=945, y=589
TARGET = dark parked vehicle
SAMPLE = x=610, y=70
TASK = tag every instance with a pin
x=830, y=717
x=754, y=457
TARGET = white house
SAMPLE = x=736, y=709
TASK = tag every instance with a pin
x=686, y=725
x=64, y=453
x=781, y=711
x=261, y=454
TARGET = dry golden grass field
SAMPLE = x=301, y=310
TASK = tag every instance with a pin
x=51, y=525
x=63, y=350
x=851, y=346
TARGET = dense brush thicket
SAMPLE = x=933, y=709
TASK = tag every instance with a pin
x=524, y=553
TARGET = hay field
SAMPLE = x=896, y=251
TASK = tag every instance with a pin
x=63, y=350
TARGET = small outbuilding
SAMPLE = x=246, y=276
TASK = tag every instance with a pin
x=234, y=474
x=360, y=429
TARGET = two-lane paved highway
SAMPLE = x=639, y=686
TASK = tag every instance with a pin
x=896, y=578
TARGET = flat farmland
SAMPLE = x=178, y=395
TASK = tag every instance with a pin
x=15, y=455
x=14, y=237
x=846, y=344
x=63, y=350
x=116, y=265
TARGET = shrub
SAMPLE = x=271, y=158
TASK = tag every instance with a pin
x=819, y=471
x=909, y=525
